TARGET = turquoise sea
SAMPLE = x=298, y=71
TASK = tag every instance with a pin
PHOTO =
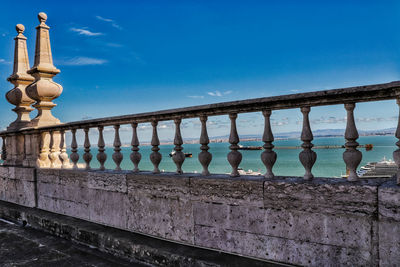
x=329, y=161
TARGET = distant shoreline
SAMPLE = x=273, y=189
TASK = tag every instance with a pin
x=257, y=139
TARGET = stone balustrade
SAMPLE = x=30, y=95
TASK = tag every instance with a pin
x=49, y=150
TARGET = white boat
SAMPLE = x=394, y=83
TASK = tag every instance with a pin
x=385, y=168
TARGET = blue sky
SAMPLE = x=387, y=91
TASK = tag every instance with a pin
x=123, y=57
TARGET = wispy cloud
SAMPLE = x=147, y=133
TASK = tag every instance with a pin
x=86, y=117
x=82, y=61
x=3, y=61
x=114, y=45
x=279, y=123
x=342, y=120
x=84, y=31
x=196, y=96
x=218, y=93
x=111, y=21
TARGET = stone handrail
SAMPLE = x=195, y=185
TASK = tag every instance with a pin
x=41, y=142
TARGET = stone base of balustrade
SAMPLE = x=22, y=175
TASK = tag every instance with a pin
x=313, y=223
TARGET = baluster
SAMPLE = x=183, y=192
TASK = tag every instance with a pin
x=135, y=155
x=74, y=150
x=4, y=150
x=205, y=157
x=268, y=157
x=352, y=157
x=396, y=153
x=87, y=156
x=234, y=157
x=55, y=149
x=155, y=156
x=179, y=156
x=307, y=156
x=101, y=156
x=63, y=151
x=43, y=161
x=117, y=156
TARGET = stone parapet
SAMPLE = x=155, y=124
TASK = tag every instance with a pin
x=313, y=223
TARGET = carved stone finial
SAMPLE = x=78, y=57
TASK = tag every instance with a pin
x=20, y=28
x=44, y=90
x=42, y=17
x=20, y=79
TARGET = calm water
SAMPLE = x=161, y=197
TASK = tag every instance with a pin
x=329, y=161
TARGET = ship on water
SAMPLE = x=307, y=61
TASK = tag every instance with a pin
x=385, y=168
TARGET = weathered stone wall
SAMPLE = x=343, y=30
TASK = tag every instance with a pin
x=324, y=222
x=389, y=224
x=18, y=185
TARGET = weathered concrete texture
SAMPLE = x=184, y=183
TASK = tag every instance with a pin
x=313, y=223
x=389, y=224
x=160, y=206
x=95, y=196
x=64, y=192
x=293, y=221
x=17, y=185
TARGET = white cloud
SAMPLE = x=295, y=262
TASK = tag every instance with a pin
x=195, y=96
x=227, y=92
x=3, y=61
x=216, y=93
x=82, y=61
x=113, y=23
x=280, y=123
x=219, y=94
x=86, y=117
x=86, y=32
x=342, y=120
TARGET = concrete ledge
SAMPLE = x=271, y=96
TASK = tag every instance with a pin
x=121, y=243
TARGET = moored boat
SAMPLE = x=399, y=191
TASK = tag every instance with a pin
x=249, y=147
x=187, y=155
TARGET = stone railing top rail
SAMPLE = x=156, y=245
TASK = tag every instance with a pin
x=356, y=94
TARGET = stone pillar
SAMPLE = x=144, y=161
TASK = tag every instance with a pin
x=20, y=79
x=43, y=89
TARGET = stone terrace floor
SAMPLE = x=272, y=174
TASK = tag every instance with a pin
x=24, y=246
